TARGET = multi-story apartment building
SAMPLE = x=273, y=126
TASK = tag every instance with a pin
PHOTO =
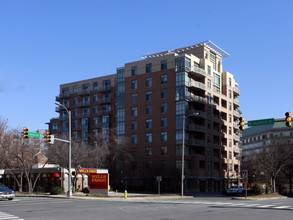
x=147, y=101
x=258, y=137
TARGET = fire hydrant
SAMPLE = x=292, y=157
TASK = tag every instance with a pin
x=125, y=194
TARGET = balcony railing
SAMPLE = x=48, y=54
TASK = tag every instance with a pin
x=236, y=90
x=236, y=114
x=105, y=100
x=195, y=142
x=198, y=85
x=84, y=92
x=84, y=104
x=195, y=128
x=200, y=114
x=195, y=98
x=199, y=71
x=105, y=88
x=236, y=102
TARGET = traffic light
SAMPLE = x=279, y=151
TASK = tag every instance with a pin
x=241, y=123
x=25, y=133
x=48, y=138
x=288, y=119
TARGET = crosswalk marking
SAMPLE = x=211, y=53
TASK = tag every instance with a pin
x=6, y=216
x=246, y=205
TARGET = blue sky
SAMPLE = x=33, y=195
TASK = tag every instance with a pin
x=45, y=43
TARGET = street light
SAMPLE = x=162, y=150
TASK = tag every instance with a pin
x=183, y=146
x=69, y=193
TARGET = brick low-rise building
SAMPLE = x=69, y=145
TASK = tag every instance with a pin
x=146, y=102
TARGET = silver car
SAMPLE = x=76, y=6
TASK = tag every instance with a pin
x=6, y=193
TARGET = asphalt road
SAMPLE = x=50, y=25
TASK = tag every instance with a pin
x=220, y=208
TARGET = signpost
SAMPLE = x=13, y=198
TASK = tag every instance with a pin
x=261, y=122
x=245, y=180
x=32, y=134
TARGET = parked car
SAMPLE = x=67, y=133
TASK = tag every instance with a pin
x=235, y=190
x=6, y=193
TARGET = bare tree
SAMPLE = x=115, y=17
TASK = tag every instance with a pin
x=273, y=158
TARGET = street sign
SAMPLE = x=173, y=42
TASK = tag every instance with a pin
x=261, y=122
x=32, y=134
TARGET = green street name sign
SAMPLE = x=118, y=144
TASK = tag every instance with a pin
x=32, y=134
x=261, y=122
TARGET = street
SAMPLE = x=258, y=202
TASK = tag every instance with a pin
x=33, y=208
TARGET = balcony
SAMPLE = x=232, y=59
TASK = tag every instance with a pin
x=236, y=91
x=105, y=100
x=84, y=92
x=237, y=138
x=106, y=88
x=84, y=104
x=195, y=142
x=196, y=128
x=195, y=98
x=237, y=150
x=198, y=71
x=197, y=85
x=236, y=102
x=236, y=114
x=84, y=115
x=200, y=114
x=60, y=108
x=104, y=112
x=62, y=96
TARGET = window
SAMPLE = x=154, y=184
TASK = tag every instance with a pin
x=209, y=84
x=148, y=124
x=230, y=94
x=75, y=112
x=75, y=135
x=209, y=138
x=230, y=118
x=149, y=96
x=86, y=87
x=164, y=136
x=163, y=79
x=148, y=151
x=134, y=71
x=148, y=82
x=134, y=98
x=209, y=70
x=95, y=97
x=134, y=138
x=180, y=108
x=230, y=106
x=230, y=130
x=106, y=84
x=95, y=121
x=55, y=126
x=148, y=110
x=217, y=83
x=163, y=122
x=164, y=65
x=209, y=124
x=179, y=122
x=134, y=111
x=148, y=68
x=120, y=128
x=164, y=150
x=230, y=81
x=164, y=108
x=134, y=84
x=178, y=165
x=75, y=102
x=95, y=85
x=149, y=138
x=134, y=125
x=163, y=93
x=95, y=109
x=75, y=89
x=209, y=98
x=213, y=59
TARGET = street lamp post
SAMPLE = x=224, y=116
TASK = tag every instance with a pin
x=183, y=147
x=69, y=193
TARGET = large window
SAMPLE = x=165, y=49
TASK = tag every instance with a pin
x=180, y=108
x=95, y=85
x=134, y=84
x=164, y=108
x=134, y=98
x=134, y=138
x=148, y=151
x=164, y=65
x=134, y=111
x=163, y=79
x=148, y=82
x=149, y=138
x=134, y=71
x=149, y=96
x=148, y=68
x=164, y=137
x=163, y=93
x=148, y=124
x=164, y=122
x=148, y=110
x=217, y=82
x=134, y=125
